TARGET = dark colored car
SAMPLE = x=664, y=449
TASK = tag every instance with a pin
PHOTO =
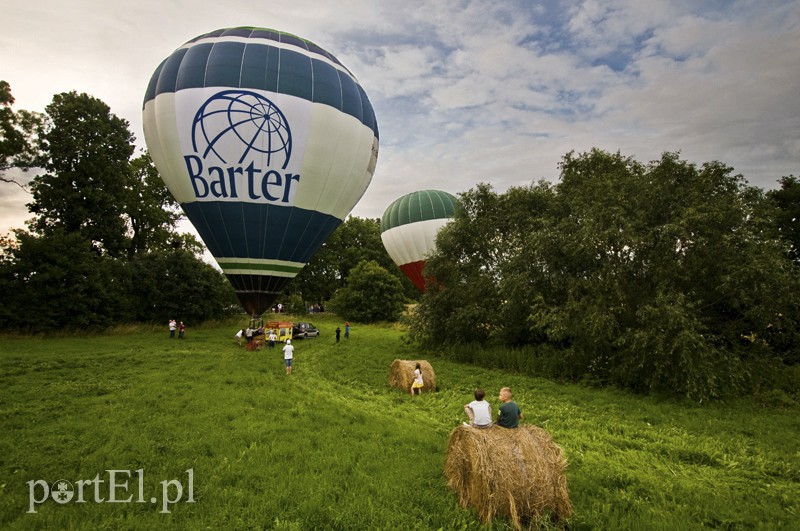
x=304, y=330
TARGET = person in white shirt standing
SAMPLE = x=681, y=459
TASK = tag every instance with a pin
x=479, y=411
x=288, y=355
x=418, y=384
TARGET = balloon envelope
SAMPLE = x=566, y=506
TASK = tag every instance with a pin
x=267, y=142
x=409, y=227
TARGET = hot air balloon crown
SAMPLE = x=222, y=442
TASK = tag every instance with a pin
x=267, y=141
x=419, y=206
x=409, y=227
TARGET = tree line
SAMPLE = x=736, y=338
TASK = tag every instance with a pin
x=103, y=245
x=665, y=276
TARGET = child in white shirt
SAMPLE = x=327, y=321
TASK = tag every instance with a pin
x=479, y=411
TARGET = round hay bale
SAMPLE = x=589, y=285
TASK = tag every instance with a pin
x=401, y=375
x=517, y=473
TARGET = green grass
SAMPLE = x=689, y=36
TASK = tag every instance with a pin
x=333, y=447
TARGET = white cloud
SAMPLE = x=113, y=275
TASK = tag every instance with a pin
x=471, y=91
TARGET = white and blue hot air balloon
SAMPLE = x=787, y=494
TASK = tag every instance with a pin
x=267, y=142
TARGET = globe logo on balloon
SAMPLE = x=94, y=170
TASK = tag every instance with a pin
x=233, y=124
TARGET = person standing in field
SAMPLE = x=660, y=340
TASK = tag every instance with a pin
x=418, y=383
x=510, y=413
x=172, y=325
x=338, y=331
x=272, y=338
x=347, y=330
x=479, y=411
x=181, y=330
x=248, y=335
x=238, y=336
x=288, y=355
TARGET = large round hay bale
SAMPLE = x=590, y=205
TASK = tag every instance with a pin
x=517, y=473
x=401, y=375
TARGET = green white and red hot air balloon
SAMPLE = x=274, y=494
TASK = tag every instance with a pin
x=267, y=142
x=409, y=227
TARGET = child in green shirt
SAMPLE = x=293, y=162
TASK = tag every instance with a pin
x=510, y=413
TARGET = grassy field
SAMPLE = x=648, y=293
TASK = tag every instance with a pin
x=333, y=447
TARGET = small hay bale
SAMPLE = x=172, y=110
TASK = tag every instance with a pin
x=401, y=375
x=517, y=473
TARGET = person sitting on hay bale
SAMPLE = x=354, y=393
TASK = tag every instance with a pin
x=510, y=413
x=479, y=411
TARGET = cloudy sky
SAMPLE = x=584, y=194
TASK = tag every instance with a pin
x=467, y=91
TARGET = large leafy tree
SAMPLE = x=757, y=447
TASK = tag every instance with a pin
x=150, y=210
x=175, y=284
x=103, y=247
x=19, y=133
x=787, y=201
x=653, y=276
x=356, y=240
x=666, y=273
x=462, y=304
x=372, y=294
x=88, y=173
x=57, y=281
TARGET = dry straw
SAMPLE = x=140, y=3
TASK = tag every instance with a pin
x=401, y=375
x=517, y=473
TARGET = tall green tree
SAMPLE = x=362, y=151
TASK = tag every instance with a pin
x=150, y=210
x=372, y=294
x=652, y=276
x=787, y=201
x=356, y=240
x=19, y=134
x=175, y=284
x=471, y=249
x=103, y=246
x=84, y=191
x=56, y=281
